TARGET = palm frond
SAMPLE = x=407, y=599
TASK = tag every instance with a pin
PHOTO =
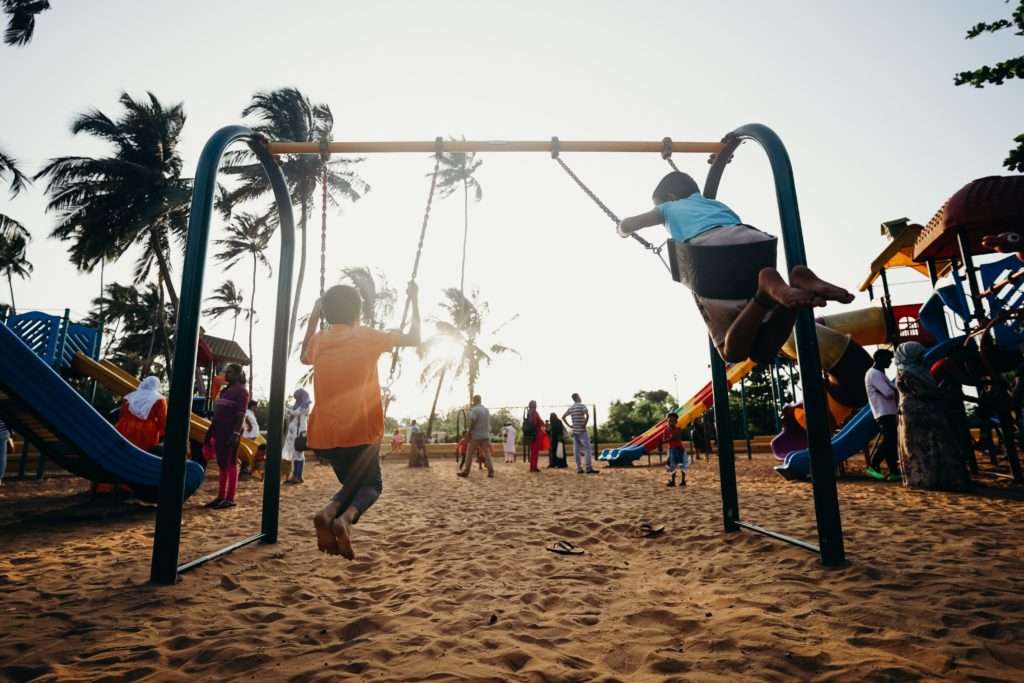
x=21, y=20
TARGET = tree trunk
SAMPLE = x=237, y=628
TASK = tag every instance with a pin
x=252, y=306
x=234, y=326
x=303, y=216
x=10, y=286
x=433, y=406
x=165, y=337
x=465, y=233
x=148, y=362
x=165, y=272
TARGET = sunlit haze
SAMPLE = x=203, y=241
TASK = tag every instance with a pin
x=861, y=94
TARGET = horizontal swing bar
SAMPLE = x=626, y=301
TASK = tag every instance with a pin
x=192, y=564
x=779, y=537
x=397, y=146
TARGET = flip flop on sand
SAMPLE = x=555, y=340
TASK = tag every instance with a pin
x=649, y=530
x=565, y=548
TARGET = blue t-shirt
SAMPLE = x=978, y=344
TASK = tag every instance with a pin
x=687, y=218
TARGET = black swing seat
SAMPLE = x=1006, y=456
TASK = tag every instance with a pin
x=721, y=271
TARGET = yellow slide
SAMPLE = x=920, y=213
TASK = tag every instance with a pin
x=120, y=382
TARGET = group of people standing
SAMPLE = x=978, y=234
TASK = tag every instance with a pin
x=539, y=435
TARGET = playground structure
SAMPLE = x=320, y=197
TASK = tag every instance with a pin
x=946, y=246
x=165, y=568
x=51, y=415
x=72, y=350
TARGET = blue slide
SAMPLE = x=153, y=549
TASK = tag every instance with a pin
x=856, y=433
x=47, y=411
x=851, y=439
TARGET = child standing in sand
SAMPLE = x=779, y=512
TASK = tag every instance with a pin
x=347, y=422
x=758, y=325
x=677, y=458
x=462, y=449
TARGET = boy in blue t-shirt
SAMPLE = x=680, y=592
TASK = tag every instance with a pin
x=755, y=327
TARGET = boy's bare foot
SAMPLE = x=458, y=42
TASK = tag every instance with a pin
x=325, y=540
x=341, y=528
x=771, y=283
x=802, y=277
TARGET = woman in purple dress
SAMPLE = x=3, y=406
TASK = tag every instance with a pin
x=226, y=430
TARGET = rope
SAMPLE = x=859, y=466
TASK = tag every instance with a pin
x=323, y=231
x=601, y=205
x=438, y=143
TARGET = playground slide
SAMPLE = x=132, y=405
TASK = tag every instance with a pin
x=120, y=382
x=50, y=414
x=688, y=412
x=855, y=434
x=851, y=439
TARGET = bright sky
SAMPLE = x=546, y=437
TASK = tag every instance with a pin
x=861, y=93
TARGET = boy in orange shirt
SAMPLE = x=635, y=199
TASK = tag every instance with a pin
x=347, y=422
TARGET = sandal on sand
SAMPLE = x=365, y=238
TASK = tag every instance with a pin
x=648, y=530
x=565, y=548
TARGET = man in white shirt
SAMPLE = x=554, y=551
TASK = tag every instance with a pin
x=883, y=399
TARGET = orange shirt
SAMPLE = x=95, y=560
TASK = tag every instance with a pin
x=347, y=410
x=143, y=433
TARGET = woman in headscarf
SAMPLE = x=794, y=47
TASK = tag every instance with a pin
x=294, y=450
x=931, y=455
x=556, y=431
x=143, y=416
x=226, y=430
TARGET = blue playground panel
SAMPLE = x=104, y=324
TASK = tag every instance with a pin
x=622, y=457
x=1011, y=333
x=855, y=434
x=48, y=412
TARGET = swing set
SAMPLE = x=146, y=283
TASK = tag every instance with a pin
x=165, y=568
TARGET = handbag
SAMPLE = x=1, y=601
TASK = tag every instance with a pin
x=300, y=444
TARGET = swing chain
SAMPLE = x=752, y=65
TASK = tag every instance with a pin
x=438, y=153
x=666, y=153
x=555, y=154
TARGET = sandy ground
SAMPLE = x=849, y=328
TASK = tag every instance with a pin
x=453, y=582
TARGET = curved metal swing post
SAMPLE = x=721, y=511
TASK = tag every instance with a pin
x=164, y=568
x=826, y=501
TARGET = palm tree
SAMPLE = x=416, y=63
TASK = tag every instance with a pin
x=248, y=235
x=18, y=182
x=227, y=299
x=457, y=346
x=13, y=262
x=288, y=114
x=128, y=316
x=456, y=170
x=21, y=19
x=378, y=298
x=136, y=196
